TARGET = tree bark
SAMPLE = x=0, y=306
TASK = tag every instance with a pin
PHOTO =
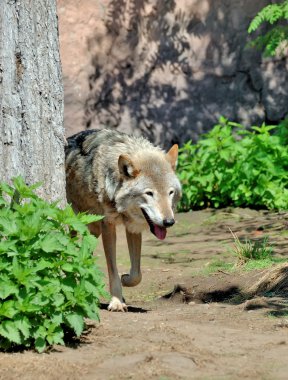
x=31, y=96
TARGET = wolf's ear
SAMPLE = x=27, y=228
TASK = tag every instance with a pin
x=172, y=156
x=126, y=167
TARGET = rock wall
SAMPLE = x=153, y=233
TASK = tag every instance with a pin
x=166, y=69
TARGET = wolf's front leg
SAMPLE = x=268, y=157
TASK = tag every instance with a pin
x=134, y=246
x=109, y=244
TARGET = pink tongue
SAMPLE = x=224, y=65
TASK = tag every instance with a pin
x=160, y=232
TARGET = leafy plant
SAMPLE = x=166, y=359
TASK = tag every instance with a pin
x=49, y=280
x=232, y=166
x=277, y=37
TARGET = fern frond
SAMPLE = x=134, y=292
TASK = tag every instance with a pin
x=271, y=13
x=276, y=40
x=271, y=41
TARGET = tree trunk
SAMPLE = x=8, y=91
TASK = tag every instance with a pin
x=31, y=96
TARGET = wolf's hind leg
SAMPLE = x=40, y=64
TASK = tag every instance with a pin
x=134, y=245
x=109, y=244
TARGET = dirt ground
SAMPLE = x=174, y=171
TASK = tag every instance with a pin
x=209, y=335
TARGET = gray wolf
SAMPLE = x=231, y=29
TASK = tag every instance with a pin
x=128, y=181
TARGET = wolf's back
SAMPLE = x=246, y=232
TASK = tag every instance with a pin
x=92, y=163
x=104, y=145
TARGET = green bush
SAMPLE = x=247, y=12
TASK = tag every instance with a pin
x=49, y=281
x=232, y=166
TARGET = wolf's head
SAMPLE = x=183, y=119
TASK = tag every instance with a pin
x=149, y=190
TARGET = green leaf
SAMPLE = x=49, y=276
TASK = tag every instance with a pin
x=225, y=154
x=58, y=299
x=22, y=323
x=30, y=226
x=50, y=243
x=7, y=309
x=40, y=344
x=8, y=246
x=21, y=274
x=40, y=300
x=57, y=318
x=56, y=336
x=91, y=312
x=24, y=190
x=69, y=284
x=8, y=226
x=86, y=218
x=9, y=330
x=67, y=267
x=7, y=288
x=87, y=246
x=76, y=225
x=91, y=288
x=42, y=264
x=7, y=189
x=76, y=322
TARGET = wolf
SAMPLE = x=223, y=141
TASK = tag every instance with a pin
x=128, y=181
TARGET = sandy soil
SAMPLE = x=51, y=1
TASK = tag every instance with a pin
x=209, y=335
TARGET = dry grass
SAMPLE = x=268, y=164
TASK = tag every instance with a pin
x=274, y=280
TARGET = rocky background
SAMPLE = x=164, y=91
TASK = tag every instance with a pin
x=166, y=69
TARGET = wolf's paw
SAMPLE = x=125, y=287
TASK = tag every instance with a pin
x=131, y=280
x=116, y=305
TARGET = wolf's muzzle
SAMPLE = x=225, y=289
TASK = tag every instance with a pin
x=168, y=222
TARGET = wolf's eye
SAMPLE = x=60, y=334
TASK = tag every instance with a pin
x=149, y=193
